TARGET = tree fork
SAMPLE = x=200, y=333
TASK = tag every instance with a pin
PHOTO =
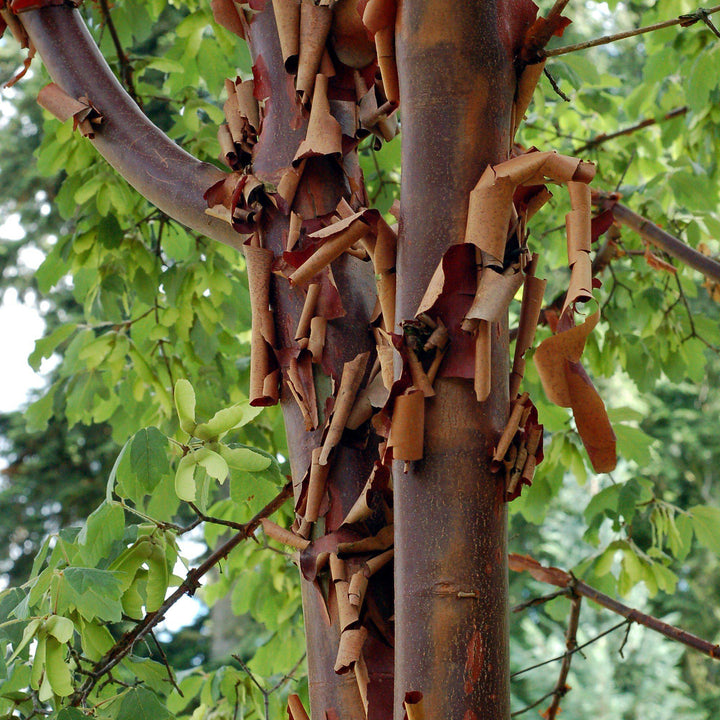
x=457, y=85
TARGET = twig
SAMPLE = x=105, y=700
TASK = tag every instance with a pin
x=571, y=644
x=577, y=649
x=216, y=521
x=683, y=20
x=540, y=600
x=126, y=70
x=533, y=705
x=125, y=644
x=163, y=656
x=265, y=692
x=665, y=241
x=555, y=86
x=606, y=137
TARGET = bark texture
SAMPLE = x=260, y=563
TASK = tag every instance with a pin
x=457, y=84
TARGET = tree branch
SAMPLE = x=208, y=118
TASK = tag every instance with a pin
x=188, y=587
x=660, y=238
x=682, y=20
x=606, y=137
x=561, y=578
x=153, y=164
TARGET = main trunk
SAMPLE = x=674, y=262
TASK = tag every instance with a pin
x=451, y=615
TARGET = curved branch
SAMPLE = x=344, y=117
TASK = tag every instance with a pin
x=665, y=241
x=152, y=163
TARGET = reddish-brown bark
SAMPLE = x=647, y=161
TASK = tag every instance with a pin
x=457, y=84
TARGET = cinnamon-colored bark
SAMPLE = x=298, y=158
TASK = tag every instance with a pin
x=457, y=85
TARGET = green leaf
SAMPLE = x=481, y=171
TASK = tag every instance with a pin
x=142, y=704
x=148, y=457
x=103, y=528
x=244, y=458
x=185, y=405
x=46, y=346
x=706, y=524
x=633, y=444
x=94, y=593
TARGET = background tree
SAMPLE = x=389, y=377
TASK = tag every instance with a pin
x=187, y=335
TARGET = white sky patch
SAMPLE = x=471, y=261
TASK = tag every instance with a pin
x=20, y=326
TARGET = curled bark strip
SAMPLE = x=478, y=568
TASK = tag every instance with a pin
x=308, y=311
x=330, y=250
x=295, y=708
x=408, y=425
x=316, y=486
x=316, y=341
x=381, y=541
x=287, y=19
x=530, y=308
x=567, y=384
x=324, y=134
x=283, y=536
x=511, y=428
x=352, y=376
x=264, y=373
x=230, y=16
x=414, y=706
x=315, y=21
x=63, y=106
x=372, y=491
x=351, y=642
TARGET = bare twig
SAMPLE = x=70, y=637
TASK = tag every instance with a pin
x=577, y=649
x=555, y=86
x=126, y=70
x=606, y=137
x=264, y=691
x=540, y=600
x=571, y=644
x=163, y=656
x=682, y=20
x=215, y=521
x=125, y=644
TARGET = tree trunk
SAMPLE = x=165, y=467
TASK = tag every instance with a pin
x=457, y=85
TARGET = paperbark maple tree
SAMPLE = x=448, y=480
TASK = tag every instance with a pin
x=426, y=633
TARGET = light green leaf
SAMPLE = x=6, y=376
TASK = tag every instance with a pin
x=46, y=346
x=57, y=670
x=61, y=628
x=142, y=704
x=214, y=464
x=223, y=421
x=244, y=458
x=706, y=524
x=185, y=478
x=104, y=527
x=94, y=593
x=185, y=405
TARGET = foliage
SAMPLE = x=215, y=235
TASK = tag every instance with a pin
x=165, y=313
